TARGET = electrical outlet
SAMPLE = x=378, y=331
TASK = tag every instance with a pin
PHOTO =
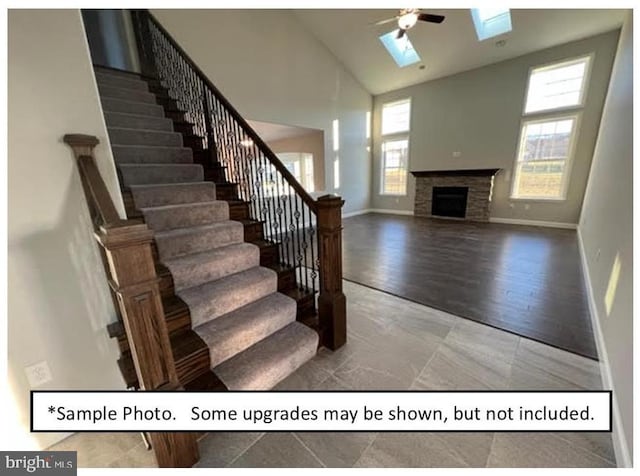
x=457, y=154
x=38, y=374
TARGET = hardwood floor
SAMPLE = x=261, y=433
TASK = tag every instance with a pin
x=525, y=280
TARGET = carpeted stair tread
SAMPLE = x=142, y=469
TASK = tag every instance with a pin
x=172, y=194
x=217, y=298
x=135, y=121
x=132, y=107
x=271, y=360
x=114, y=92
x=129, y=136
x=195, y=239
x=115, y=72
x=185, y=215
x=147, y=174
x=238, y=330
x=198, y=268
x=146, y=154
x=120, y=82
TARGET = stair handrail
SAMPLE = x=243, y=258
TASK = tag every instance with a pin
x=273, y=158
x=233, y=144
x=126, y=247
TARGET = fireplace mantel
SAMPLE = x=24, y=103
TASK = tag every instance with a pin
x=456, y=173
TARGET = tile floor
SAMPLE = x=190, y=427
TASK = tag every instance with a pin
x=397, y=345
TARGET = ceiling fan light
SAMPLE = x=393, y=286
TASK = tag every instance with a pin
x=407, y=20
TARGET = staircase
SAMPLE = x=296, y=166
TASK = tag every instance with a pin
x=232, y=308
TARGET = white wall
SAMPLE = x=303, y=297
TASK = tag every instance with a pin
x=59, y=302
x=274, y=70
x=478, y=113
x=606, y=231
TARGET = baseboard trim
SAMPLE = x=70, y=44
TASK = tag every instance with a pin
x=620, y=445
x=390, y=211
x=356, y=213
x=548, y=224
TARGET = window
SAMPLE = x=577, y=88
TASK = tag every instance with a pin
x=400, y=49
x=301, y=167
x=557, y=86
x=543, y=158
x=395, y=155
x=396, y=118
x=490, y=22
x=555, y=94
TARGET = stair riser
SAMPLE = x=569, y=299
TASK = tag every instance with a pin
x=144, y=155
x=253, y=232
x=306, y=307
x=227, y=191
x=126, y=94
x=198, y=242
x=140, y=137
x=118, y=73
x=193, y=365
x=269, y=255
x=150, y=175
x=286, y=280
x=123, y=83
x=184, y=217
x=183, y=128
x=239, y=211
x=128, y=107
x=138, y=122
x=156, y=197
x=198, y=273
x=236, y=332
x=228, y=295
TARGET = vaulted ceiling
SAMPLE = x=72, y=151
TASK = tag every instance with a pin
x=448, y=48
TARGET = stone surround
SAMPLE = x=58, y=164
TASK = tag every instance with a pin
x=479, y=182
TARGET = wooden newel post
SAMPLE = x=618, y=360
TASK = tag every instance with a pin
x=133, y=279
x=332, y=303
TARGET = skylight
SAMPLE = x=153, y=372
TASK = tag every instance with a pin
x=400, y=49
x=490, y=22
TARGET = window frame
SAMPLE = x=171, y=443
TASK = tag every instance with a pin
x=566, y=176
x=586, y=79
x=395, y=136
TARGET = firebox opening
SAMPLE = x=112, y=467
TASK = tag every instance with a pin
x=449, y=201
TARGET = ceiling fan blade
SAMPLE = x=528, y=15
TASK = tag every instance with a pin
x=430, y=18
x=382, y=22
x=400, y=34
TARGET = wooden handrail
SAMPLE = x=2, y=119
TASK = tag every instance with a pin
x=132, y=277
x=253, y=135
x=98, y=194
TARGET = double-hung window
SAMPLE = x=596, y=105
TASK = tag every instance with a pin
x=396, y=121
x=553, y=105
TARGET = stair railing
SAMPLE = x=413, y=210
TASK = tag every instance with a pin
x=308, y=231
x=126, y=247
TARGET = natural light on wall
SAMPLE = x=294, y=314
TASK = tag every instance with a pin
x=610, y=295
x=336, y=148
x=490, y=22
x=400, y=49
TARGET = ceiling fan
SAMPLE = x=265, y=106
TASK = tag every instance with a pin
x=408, y=17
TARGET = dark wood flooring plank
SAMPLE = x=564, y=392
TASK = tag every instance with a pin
x=526, y=280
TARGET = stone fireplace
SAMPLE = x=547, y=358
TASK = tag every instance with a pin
x=462, y=194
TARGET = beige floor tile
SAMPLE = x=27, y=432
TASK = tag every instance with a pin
x=427, y=450
x=219, y=449
x=578, y=370
x=137, y=457
x=543, y=450
x=98, y=450
x=277, y=450
x=456, y=367
x=337, y=450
